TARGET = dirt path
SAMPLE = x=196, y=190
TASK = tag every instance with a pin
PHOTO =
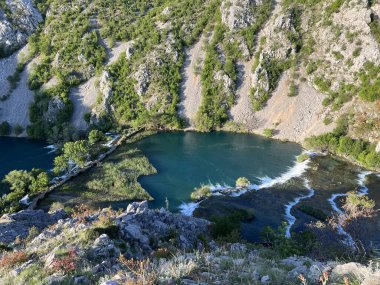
x=191, y=87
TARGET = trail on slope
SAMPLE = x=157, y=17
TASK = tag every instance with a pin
x=191, y=87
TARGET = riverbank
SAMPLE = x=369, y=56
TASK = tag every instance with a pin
x=125, y=175
x=302, y=195
x=109, y=180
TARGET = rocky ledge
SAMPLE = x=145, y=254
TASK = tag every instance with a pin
x=19, y=224
x=146, y=246
x=18, y=20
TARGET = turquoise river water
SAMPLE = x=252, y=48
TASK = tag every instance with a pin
x=25, y=154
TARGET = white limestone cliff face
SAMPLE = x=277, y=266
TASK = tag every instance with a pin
x=18, y=20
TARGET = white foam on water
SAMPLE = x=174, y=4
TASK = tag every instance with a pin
x=332, y=199
x=110, y=142
x=52, y=148
x=188, y=208
x=363, y=190
x=25, y=200
x=297, y=170
x=348, y=238
x=362, y=176
x=288, y=208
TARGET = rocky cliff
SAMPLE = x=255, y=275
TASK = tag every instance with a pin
x=18, y=20
x=144, y=246
x=291, y=66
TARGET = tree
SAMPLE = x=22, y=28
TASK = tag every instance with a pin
x=18, y=180
x=5, y=129
x=22, y=182
x=74, y=154
x=96, y=136
x=39, y=183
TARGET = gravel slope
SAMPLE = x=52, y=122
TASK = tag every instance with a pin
x=191, y=87
x=15, y=110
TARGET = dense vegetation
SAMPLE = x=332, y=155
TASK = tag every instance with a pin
x=219, y=74
x=217, y=98
x=115, y=179
x=21, y=183
x=50, y=114
x=338, y=142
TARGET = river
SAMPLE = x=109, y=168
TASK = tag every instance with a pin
x=280, y=186
x=23, y=154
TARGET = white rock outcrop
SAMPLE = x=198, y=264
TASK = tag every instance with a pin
x=19, y=20
x=237, y=14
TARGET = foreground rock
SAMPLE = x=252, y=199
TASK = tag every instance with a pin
x=145, y=246
x=19, y=224
x=143, y=227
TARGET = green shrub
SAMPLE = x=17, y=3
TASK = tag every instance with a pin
x=327, y=120
x=201, y=193
x=292, y=90
x=302, y=157
x=369, y=82
x=311, y=67
x=313, y=212
x=228, y=227
x=268, y=133
x=356, y=52
x=96, y=136
x=87, y=117
x=242, y=182
x=322, y=83
x=334, y=7
x=355, y=149
x=301, y=243
x=338, y=55
x=5, y=129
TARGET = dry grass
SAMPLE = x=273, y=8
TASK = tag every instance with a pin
x=12, y=258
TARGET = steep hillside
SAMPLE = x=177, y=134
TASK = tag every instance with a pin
x=288, y=68
x=18, y=20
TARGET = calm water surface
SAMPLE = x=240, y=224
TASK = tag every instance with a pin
x=186, y=160
x=20, y=153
